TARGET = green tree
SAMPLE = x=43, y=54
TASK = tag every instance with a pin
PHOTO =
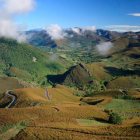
x=115, y=118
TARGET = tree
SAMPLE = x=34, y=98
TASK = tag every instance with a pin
x=115, y=118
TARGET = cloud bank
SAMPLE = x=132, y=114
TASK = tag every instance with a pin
x=135, y=14
x=8, y=12
x=123, y=28
x=55, y=31
x=104, y=47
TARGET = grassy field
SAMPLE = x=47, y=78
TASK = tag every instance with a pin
x=92, y=122
x=29, y=97
x=124, y=82
x=36, y=96
x=63, y=94
x=120, y=104
x=106, y=94
x=63, y=117
x=96, y=70
x=126, y=108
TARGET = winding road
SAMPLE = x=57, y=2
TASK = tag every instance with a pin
x=47, y=94
x=14, y=98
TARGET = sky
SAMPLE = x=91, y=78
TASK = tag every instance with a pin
x=83, y=13
x=56, y=15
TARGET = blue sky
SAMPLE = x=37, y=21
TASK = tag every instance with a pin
x=56, y=15
x=82, y=13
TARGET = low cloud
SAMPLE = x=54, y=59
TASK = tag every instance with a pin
x=134, y=14
x=53, y=57
x=89, y=28
x=75, y=45
x=55, y=31
x=81, y=30
x=10, y=9
x=104, y=47
x=76, y=30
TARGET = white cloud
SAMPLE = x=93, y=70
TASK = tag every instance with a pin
x=81, y=30
x=55, y=31
x=71, y=36
x=18, y=6
x=90, y=28
x=76, y=30
x=104, y=47
x=8, y=11
x=125, y=30
x=135, y=14
x=121, y=26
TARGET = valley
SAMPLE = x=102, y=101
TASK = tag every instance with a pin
x=66, y=89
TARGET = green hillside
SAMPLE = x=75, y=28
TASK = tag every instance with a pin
x=27, y=62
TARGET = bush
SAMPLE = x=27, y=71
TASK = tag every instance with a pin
x=108, y=111
x=126, y=97
x=115, y=118
x=83, y=104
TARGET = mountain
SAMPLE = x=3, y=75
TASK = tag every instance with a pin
x=126, y=51
x=108, y=34
x=42, y=40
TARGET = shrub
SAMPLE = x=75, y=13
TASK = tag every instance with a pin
x=126, y=97
x=119, y=97
x=83, y=104
x=108, y=111
x=115, y=118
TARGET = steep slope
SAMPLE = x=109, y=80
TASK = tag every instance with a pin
x=77, y=75
x=27, y=62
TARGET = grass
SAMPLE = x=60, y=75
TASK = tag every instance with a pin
x=63, y=94
x=92, y=122
x=96, y=70
x=19, y=73
x=62, y=123
x=29, y=97
x=7, y=83
x=106, y=94
x=120, y=104
x=9, y=131
x=121, y=82
x=126, y=108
